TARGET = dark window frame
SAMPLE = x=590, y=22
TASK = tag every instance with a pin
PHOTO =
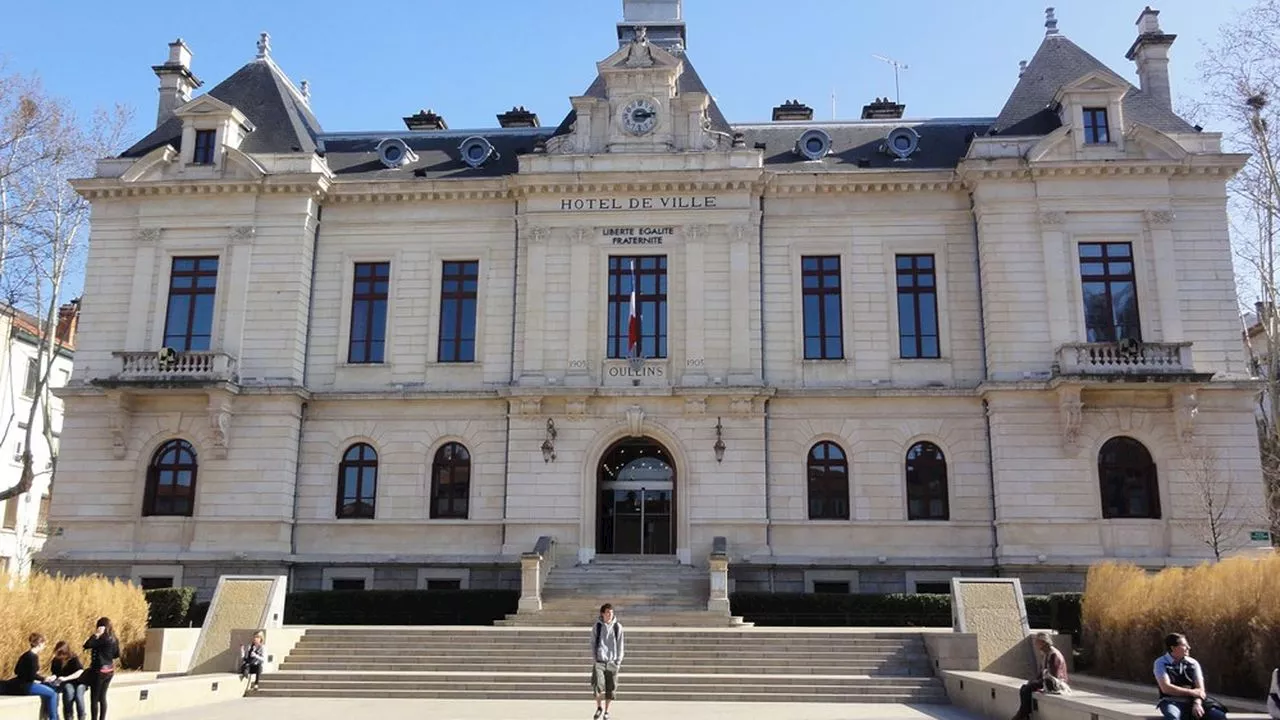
x=370, y=298
x=926, y=458
x=196, y=287
x=932, y=587
x=1097, y=127
x=1120, y=477
x=823, y=483
x=450, y=493
x=362, y=459
x=816, y=272
x=442, y=584
x=204, y=147
x=832, y=587
x=651, y=301
x=459, y=296
x=1111, y=332
x=156, y=582
x=921, y=287
x=174, y=456
x=348, y=583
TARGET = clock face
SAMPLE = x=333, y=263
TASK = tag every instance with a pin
x=640, y=116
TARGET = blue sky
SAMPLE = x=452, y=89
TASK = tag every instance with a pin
x=370, y=64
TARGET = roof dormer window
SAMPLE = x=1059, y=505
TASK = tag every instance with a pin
x=203, y=154
x=1096, y=131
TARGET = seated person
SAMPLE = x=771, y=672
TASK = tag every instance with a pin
x=252, y=658
x=29, y=681
x=1181, y=683
x=1052, y=677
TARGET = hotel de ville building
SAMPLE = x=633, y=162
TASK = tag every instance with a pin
x=870, y=354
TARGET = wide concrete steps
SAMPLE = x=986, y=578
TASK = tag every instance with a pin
x=718, y=665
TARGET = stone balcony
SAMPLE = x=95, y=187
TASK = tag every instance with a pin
x=1118, y=359
x=193, y=366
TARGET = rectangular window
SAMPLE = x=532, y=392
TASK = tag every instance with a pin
x=1095, y=126
x=42, y=518
x=369, y=312
x=10, y=513
x=933, y=587
x=32, y=379
x=348, y=583
x=831, y=587
x=1110, y=292
x=188, y=324
x=444, y=584
x=820, y=282
x=155, y=583
x=203, y=154
x=647, y=274
x=917, y=307
x=458, y=291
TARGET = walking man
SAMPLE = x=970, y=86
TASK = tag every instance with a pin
x=606, y=652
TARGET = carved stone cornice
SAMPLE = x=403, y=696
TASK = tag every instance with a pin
x=855, y=184
x=103, y=188
x=632, y=186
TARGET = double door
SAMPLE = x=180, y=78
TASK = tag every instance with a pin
x=636, y=518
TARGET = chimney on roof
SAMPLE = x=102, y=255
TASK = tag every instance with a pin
x=426, y=120
x=883, y=109
x=792, y=110
x=1150, y=52
x=1022, y=67
x=1050, y=22
x=662, y=20
x=68, y=319
x=176, y=80
x=518, y=117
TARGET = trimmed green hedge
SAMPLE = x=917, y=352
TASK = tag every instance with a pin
x=1059, y=612
x=168, y=607
x=399, y=607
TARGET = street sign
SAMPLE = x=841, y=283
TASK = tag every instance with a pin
x=1259, y=536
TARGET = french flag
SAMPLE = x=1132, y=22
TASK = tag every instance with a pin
x=633, y=319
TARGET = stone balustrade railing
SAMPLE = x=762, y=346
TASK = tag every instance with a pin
x=188, y=365
x=1135, y=358
x=534, y=568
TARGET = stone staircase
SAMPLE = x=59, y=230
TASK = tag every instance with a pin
x=645, y=591
x=677, y=664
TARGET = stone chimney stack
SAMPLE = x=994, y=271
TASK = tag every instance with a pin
x=518, y=117
x=176, y=80
x=792, y=110
x=663, y=21
x=883, y=109
x=1150, y=52
x=68, y=320
x=426, y=120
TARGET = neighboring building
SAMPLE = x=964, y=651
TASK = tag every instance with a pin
x=24, y=519
x=872, y=354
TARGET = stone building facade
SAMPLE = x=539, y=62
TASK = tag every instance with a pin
x=870, y=354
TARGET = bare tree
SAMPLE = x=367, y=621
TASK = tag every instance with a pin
x=45, y=226
x=1217, y=520
x=1241, y=73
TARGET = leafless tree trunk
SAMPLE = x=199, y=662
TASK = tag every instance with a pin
x=1217, y=521
x=44, y=225
x=1241, y=72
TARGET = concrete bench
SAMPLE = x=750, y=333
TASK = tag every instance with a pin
x=996, y=696
x=133, y=695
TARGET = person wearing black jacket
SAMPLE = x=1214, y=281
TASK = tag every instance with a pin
x=29, y=681
x=65, y=674
x=103, y=649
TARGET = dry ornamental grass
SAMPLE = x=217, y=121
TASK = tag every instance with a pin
x=66, y=608
x=1229, y=611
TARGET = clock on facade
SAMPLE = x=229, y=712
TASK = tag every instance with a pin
x=640, y=116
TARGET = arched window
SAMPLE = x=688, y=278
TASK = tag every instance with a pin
x=358, y=482
x=828, y=482
x=927, y=483
x=171, y=481
x=450, y=482
x=1127, y=475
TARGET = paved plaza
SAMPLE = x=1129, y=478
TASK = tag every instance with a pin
x=357, y=709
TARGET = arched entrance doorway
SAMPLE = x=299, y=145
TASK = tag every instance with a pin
x=636, y=499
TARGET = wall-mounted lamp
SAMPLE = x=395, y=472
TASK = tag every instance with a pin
x=719, y=446
x=549, y=445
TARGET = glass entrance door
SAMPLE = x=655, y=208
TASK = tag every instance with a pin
x=636, y=507
x=636, y=519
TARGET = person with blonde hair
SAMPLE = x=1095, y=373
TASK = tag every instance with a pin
x=1051, y=678
x=252, y=658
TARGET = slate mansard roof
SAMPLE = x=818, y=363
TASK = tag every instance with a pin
x=284, y=124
